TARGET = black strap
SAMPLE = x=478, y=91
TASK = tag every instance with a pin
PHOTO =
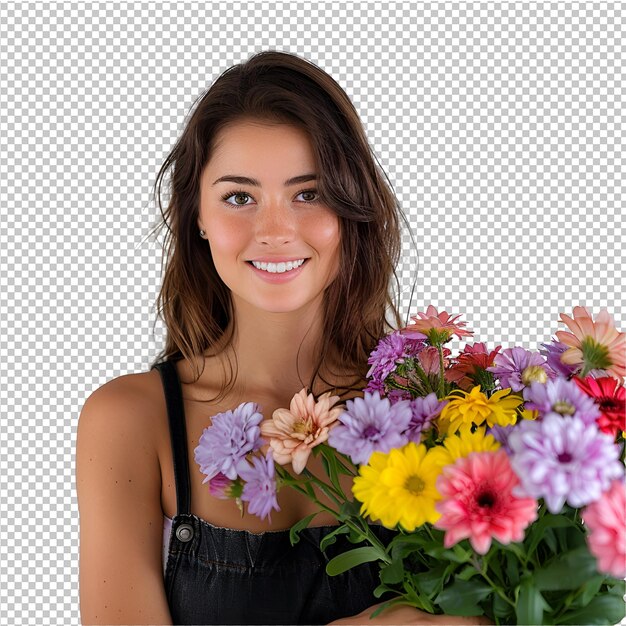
x=178, y=433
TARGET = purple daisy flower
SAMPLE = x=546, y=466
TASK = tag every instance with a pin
x=375, y=384
x=562, y=459
x=501, y=435
x=423, y=412
x=517, y=368
x=552, y=353
x=370, y=424
x=563, y=398
x=228, y=439
x=259, y=490
x=390, y=351
x=399, y=395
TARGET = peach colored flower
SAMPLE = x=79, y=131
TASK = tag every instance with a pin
x=595, y=345
x=293, y=432
x=438, y=327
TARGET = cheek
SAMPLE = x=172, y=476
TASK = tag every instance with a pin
x=225, y=236
x=325, y=237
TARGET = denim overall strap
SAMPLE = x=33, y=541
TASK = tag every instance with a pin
x=178, y=433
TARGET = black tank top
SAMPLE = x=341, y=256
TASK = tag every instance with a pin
x=216, y=575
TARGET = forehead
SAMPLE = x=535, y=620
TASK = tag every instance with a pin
x=253, y=143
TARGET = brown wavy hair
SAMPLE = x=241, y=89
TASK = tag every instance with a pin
x=194, y=303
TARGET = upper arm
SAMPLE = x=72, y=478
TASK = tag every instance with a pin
x=118, y=485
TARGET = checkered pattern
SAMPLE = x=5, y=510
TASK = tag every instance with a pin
x=499, y=125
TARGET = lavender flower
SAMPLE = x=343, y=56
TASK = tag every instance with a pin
x=390, y=351
x=562, y=459
x=423, y=412
x=501, y=435
x=399, y=395
x=370, y=424
x=228, y=439
x=561, y=397
x=259, y=490
x=517, y=368
x=552, y=353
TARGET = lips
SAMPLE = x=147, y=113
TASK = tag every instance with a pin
x=278, y=276
x=278, y=268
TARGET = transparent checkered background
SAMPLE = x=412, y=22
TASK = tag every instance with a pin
x=500, y=127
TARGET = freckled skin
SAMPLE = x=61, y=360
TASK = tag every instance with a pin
x=274, y=219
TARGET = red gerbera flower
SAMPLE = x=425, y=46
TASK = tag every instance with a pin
x=469, y=364
x=610, y=396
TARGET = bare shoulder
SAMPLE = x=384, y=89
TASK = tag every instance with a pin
x=118, y=482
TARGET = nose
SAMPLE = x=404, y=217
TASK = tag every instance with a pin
x=275, y=223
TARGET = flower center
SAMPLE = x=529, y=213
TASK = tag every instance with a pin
x=564, y=457
x=303, y=427
x=414, y=484
x=485, y=499
x=563, y=407
x=370, y=432
x=534, y=373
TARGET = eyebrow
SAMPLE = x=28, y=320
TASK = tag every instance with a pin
x=245, y=180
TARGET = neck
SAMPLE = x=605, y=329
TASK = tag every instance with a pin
x=276, y=351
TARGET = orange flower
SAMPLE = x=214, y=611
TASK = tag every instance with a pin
x=293, y=432
x=595, y=345
x=438, y=327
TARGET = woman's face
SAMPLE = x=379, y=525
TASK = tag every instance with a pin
x=274, y=244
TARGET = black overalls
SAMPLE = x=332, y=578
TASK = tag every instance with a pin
x=217, y=575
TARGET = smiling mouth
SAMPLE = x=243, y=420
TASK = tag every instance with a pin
x=278, y=268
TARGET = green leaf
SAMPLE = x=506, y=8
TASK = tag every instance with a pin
x=348, y=509
x=294, y=531
x=530, y=603
x=501, y=608
x=469, y=571
x=462, y=597
x=432, y=580
x=566, y=571
x=350, y=559
x=392, y=573
x=605, y=609
x=512, y=568
x=537, y=531
x=331, y=537
x=591, y=589
x=456, y=554
x=393, y=602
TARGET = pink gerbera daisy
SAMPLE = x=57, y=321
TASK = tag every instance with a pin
x=606, y=519
x=594, y=345
x=478, y=504
x=438, y=327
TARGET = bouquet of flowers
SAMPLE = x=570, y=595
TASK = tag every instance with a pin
x=501, y=471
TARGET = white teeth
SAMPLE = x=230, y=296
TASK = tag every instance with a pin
x=278, y=268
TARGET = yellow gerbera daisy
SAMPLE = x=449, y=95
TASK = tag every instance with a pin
x=399, y=487
x=475, y=407
x=463, y=443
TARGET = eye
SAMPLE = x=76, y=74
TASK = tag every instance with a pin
x=308, y=193
x=238, y=194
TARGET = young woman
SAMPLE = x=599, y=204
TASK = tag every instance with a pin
x=283, y=239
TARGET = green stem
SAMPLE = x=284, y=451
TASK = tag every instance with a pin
x=323, y=486
x=442, y=389
x=289, y=482
x=497, y=589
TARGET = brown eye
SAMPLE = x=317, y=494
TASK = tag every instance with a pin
x=241, y=198
x=310, y=195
